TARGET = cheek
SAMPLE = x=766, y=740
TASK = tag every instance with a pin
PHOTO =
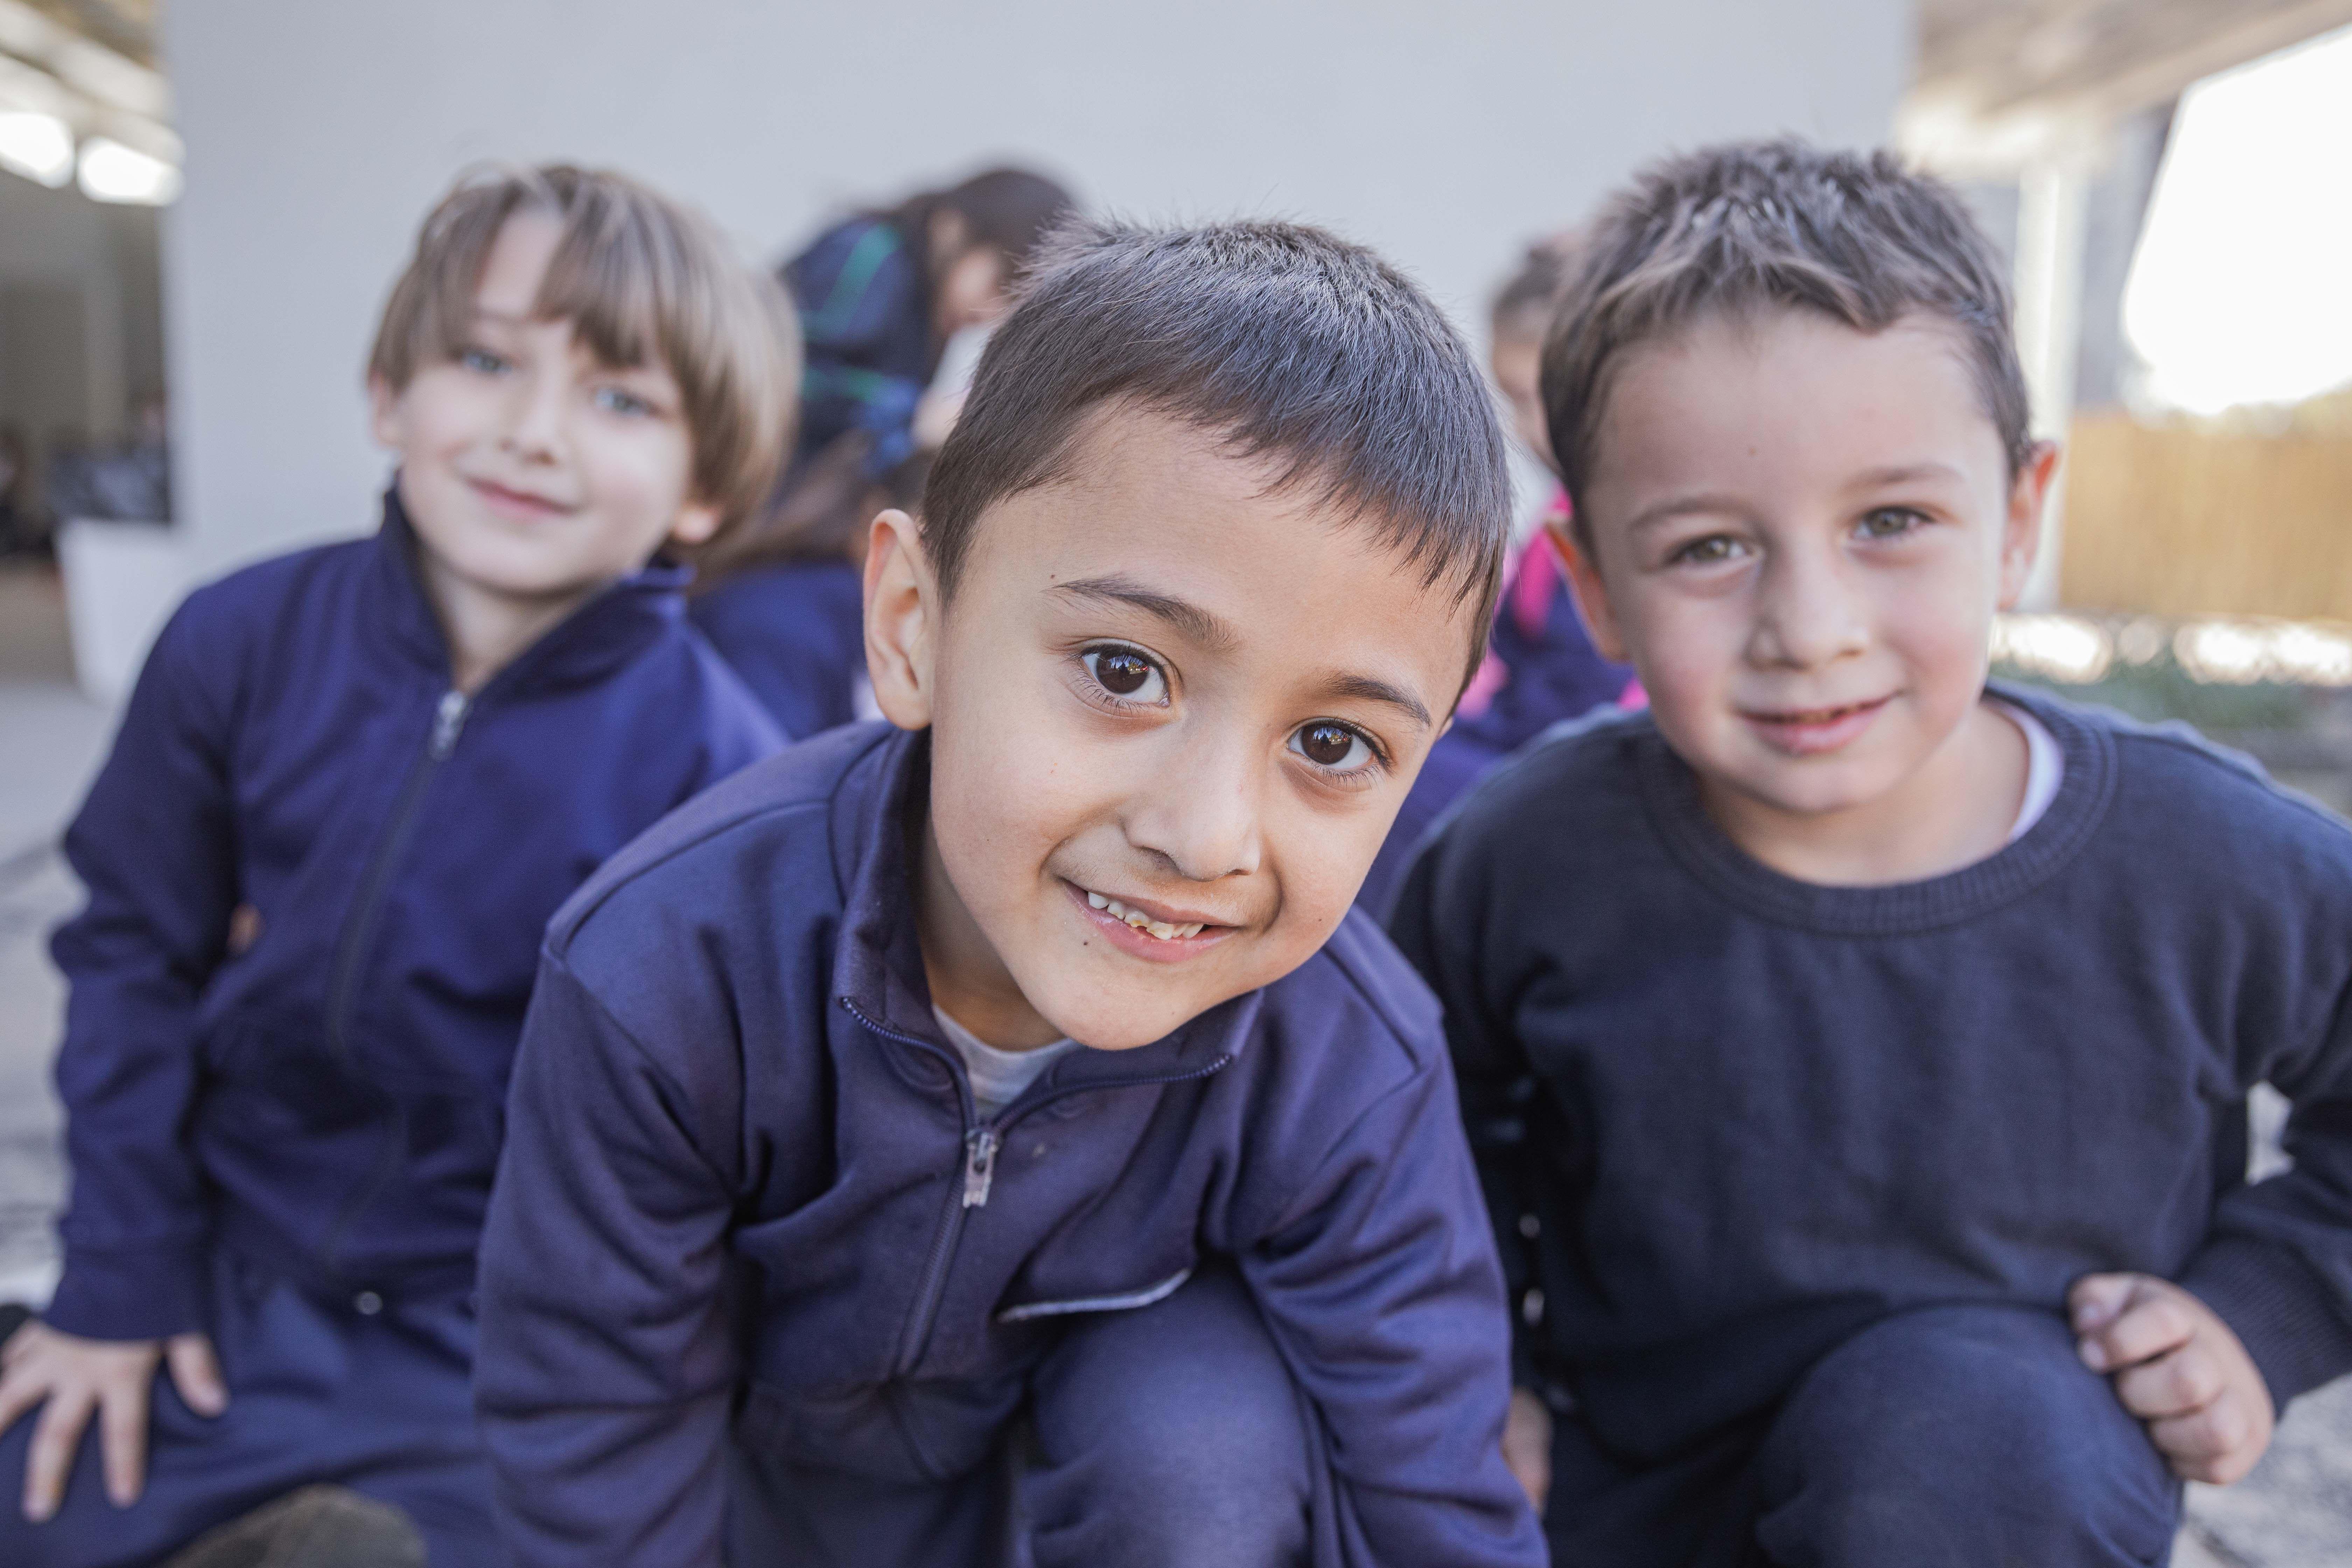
x=1687, y=645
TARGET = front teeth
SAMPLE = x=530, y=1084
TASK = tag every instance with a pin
x=1143, y=921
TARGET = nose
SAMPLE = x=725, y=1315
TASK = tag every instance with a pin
x=534, y=417
x=1200, y=813
x=1808, y=610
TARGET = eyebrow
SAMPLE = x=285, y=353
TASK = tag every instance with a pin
x=1681, y=506
x=1201, y=625
x=1905, y=473
x=1365, y=689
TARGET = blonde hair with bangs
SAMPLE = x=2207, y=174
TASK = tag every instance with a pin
x=643, y=279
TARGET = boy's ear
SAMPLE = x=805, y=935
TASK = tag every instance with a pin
x=2021, y=538
x=902, y=606
x=1591, y=596
x=694, y=523
x=383, y=413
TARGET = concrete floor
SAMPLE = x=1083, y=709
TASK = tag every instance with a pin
x=2295, y=1511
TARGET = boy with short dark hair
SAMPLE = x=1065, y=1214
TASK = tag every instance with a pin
x=351, y=786
x=1857, y=1055
x=1022, y=1055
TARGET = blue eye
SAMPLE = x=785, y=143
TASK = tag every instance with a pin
x=1333, y=747
x=481, y=362
x=613, y=400
x=1126, y=675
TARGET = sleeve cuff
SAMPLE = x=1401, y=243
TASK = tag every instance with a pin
x=150, y=1293
x=2280, y=1309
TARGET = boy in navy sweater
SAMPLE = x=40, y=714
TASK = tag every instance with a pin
x=351, y=786
x=1858, y=1056
x=1022, y=1055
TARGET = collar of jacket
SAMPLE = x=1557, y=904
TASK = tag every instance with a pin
x=612, y=628
x=878, y=960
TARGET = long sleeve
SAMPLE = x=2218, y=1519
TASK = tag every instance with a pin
x=155, y=844
x=1496, y=1079
x=2277, y=1265
x=1380, y=1285
x=605, y=1365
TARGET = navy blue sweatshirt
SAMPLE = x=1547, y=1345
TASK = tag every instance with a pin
x=795, y=632
x=747, y=1195
x=324, y=1102
x=1748, y=1116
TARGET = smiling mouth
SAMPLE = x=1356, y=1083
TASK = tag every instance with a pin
x=1165, y=930
x=1805, y=731
x=507, y=499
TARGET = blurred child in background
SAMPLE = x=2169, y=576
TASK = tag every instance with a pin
x=352, y=785
x=1540, y=665
x=879, y=298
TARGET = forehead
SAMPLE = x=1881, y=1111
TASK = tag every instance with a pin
x=1145, y=496
x=1791, y=397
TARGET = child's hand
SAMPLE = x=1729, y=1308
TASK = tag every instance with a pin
x=1526, y=1445
x=74, y=1376
x=2178, y=1367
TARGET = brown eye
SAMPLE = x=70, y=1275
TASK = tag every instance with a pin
x=1123, y=672
x=1331, y=745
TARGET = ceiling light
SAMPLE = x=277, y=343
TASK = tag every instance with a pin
x=37, y=147
x=114, y=173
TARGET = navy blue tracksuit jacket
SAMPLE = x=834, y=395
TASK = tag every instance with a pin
x=746, y=1195
x=324, y=1101
x=795, y=632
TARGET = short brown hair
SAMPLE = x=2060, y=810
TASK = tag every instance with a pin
x=639, y=275
x=1761, y=226
x=1283, y=340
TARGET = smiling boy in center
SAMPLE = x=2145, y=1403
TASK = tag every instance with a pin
x=1021, y=1055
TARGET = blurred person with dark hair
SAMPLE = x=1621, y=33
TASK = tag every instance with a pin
x=880, y=297
x=1540, y=666
x=349, y=788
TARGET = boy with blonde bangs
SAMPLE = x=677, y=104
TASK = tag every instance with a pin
x=1021, y=1055
x=1870, y=1160
x=352, y=784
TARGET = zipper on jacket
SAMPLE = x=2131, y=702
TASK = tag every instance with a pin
x=978, y=1165
x=982, y=1143
x=342, y=987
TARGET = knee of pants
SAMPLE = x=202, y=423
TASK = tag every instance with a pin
x=1170, y=1435
x=1970, y=1434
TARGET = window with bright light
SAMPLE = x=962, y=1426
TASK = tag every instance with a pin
x=2242, y=289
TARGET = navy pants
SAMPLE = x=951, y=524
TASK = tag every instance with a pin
x=1168, y=1437
x=1962, y=1436
x=380, y=1402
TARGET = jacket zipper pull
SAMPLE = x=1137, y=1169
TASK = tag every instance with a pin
x=447, y=719
x=979, y=1165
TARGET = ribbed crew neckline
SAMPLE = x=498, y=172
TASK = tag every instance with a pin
x=1670, y=793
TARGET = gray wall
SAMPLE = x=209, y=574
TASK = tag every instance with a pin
x=1446, y=133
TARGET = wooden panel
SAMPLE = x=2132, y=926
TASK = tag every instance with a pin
x=2182, y=519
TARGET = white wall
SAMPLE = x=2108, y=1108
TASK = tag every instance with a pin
x=1444, y=131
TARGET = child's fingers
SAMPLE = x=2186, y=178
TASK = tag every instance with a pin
x=2095, y=1299
x=195, y=1373
x=2186, y=1380
x=19, y=1391
x=50, y=1455
x=2214, y=1445
x=122, y=1440
x=2152, y=1323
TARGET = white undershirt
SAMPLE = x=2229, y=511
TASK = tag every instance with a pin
x=2045, y=765
x=998, y=1077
